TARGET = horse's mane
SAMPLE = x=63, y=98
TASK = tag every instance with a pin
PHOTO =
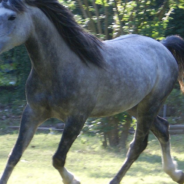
x=85, y=45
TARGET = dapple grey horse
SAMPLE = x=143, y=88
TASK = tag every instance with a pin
x=75, y=76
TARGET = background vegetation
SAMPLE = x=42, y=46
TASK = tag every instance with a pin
x=106, y=19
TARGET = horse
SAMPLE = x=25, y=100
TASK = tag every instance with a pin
x=74, y=76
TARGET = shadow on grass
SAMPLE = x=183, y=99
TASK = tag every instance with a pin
x=97, y=174
x=3, y=157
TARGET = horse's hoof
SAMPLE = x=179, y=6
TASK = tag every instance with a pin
x=181, y=180
x=114, y=181
x=74, y=181
x=1, y=181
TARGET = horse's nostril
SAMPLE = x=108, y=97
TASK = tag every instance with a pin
x=12, y=17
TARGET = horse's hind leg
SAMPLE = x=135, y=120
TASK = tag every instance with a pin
x=29, y=123
x=160, y=130
x=146, y=113
x=71, y=131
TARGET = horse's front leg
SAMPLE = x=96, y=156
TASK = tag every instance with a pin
x=71, y=131
x=29, y=123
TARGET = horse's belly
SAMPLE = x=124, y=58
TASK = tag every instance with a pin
x=117, y=103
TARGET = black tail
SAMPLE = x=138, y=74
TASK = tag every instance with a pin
x=175, y=45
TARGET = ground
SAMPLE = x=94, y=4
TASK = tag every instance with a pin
x=91, y=163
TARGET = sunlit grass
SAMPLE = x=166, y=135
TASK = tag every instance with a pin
x=88, y=160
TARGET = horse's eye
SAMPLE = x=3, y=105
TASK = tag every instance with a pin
x=12, y=17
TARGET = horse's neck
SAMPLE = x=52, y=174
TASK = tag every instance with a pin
x=45, y=46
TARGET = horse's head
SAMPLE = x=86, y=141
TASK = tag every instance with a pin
x=15, y=24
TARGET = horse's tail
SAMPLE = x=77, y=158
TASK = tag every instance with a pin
x=175, y=44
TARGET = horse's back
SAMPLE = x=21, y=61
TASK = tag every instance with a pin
x=136, y=67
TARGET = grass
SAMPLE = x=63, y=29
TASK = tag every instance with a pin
x=88, y=160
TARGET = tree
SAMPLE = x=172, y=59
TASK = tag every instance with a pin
x=108, y=19
x=113, y=130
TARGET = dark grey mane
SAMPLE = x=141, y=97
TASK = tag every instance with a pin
x=85, y=45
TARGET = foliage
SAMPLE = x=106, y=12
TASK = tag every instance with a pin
x=175, y=107
x=7, y=68
x=175, y=25
x=112, y=18
x=100, y=125
x=17, y=63
x=113, y=130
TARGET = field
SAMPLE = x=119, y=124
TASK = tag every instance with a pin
x=91, y=163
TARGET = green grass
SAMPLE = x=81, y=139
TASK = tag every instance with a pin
x=87, y=160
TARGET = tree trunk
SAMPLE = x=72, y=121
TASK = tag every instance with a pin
x=91, y=24
x=161, y=12
x=104, y=142
x=82, y=9
x=98, y=18
x=119, y=18
x=112, y=134
x=125, y=132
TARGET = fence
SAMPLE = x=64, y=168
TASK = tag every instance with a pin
x=173, y=129
x=176, y=129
